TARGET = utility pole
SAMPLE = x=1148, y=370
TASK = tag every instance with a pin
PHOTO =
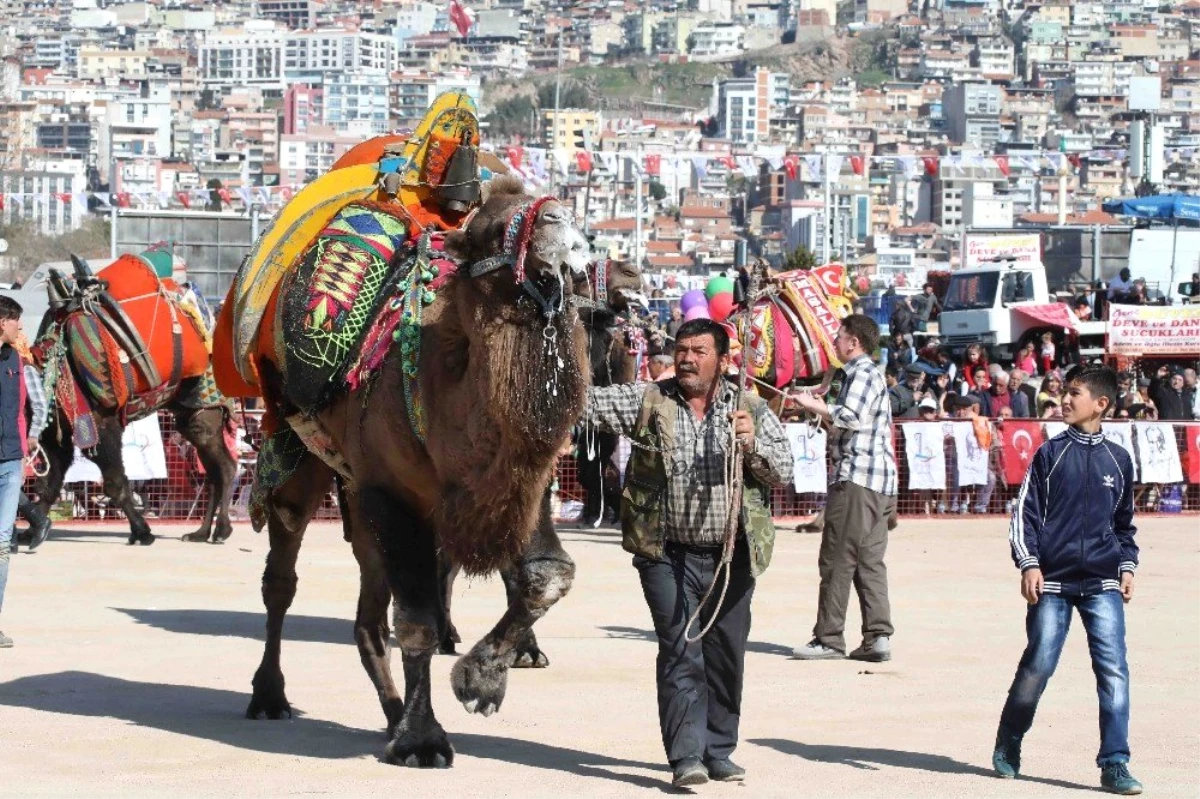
x=637, y=212
x=557, y=95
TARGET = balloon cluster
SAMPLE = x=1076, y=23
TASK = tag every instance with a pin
x=714, y=301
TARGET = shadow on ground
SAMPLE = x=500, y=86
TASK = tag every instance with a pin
x=638, y=634
x=873, y=759
x=244, y=624
x=216, y=715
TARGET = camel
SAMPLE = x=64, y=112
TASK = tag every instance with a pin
x=601, y=298
x=201, y=415
x=502, y=377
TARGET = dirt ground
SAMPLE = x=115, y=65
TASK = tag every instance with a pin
x=132, y=669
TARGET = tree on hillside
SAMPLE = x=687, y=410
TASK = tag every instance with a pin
x=29, y=248
x=801, y=258
x=513, y=117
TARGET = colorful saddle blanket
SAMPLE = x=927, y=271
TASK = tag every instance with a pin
x=792, y=330
x=328, y=302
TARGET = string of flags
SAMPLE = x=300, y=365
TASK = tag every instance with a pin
x=535, y=163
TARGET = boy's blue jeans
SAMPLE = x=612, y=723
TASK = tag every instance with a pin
x=12, y=477
x=1046, y=625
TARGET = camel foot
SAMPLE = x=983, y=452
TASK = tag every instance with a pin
x=268, y=700
x=393, y=711
x=528, y=655
x=145, y=539
x=428, y=748
x=198, y=537
x=480, y=679
x=446, y=646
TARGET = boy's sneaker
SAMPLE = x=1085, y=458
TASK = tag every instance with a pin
x=879, y=650
x=1006, y=758
x=5, y=642
x=688, y=772
x=1117, y=779
x=815, y=650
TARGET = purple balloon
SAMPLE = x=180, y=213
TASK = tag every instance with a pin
x=692, y=299
x=697, y=312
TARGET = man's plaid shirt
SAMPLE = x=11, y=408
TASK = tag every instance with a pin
x=861, y=436
x=696, y=495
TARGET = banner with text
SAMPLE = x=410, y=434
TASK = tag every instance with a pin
x=1153, y=330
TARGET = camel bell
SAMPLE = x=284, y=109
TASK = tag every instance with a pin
x=459, y=189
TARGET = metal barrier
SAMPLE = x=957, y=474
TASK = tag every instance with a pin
x=182, y=495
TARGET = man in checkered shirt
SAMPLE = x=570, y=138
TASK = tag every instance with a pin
x=673, y=521
x=862, y=496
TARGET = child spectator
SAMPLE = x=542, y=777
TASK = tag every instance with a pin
x=1052, y=389
x=1047, y=352
x=1072, y=538
x=1025, y=360
x=968, y=407
x=975, y=358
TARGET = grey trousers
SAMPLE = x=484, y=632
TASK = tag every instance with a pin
x=699, y=684
x=852, y=548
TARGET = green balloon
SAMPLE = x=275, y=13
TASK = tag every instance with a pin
x=717, y=285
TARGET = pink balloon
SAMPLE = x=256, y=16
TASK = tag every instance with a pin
x=720, y=306
x=696, y=312
x=692, y=299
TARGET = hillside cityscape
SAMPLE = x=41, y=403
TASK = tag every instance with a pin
x=689, y=135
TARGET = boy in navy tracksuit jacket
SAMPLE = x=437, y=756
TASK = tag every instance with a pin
x=1072, y=538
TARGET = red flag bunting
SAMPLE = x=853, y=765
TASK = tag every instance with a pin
x=1075, y=160
x=653, y=165
x=931, y=166
x=184, y=199
x=583, y=160
x=1192, y=431
x=729, y=161
x=791, y=165
x=1, y=202
x=285, y=192
x=858, y=164
x=1002, y=164
x=515, y=154
x=461, y=18
x=225, y=195
x=1021, y=440
x=123, y=199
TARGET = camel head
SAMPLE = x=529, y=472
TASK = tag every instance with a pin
x=533, y=239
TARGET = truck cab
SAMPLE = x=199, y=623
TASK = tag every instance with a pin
x=980, y=302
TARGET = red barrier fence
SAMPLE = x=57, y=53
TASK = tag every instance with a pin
x=182, y=495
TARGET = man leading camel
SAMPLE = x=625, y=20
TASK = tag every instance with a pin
x=673, y=521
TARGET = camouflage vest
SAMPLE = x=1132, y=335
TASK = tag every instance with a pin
x=643, y=501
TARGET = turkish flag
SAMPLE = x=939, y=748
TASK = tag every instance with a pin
x=1, y=201
x=123, y=199
x=931, y=166
x=225, y=195
x=461, y=18
x=514, y=156
x=63, y=197
x=285, y=192
x=1075, y=160
x=184, y=199
x=1002, y=163
x=1020, y=441
x=653, y=165
x=857, y=163
x=791, y=165
x=830, y=277
x=729, y=162
x=583, y=160
x=1192, y=431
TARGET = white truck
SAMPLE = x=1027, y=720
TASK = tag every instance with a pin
x=1006, y=302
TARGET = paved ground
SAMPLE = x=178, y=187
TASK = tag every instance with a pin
x=132, y=669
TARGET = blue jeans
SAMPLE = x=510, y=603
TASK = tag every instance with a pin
x=1046, y=625
x=12, y=477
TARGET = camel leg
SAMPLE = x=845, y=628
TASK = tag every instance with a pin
x=409, y=556
x=448, y=573
x=371, y=631
x=108, y=456
x=205, y=429
x=541, y=577
x=290, y=507
x=59, y=455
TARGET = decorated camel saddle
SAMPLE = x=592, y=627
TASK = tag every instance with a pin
x=121, y=341
x=343, y=273
x=793, y=325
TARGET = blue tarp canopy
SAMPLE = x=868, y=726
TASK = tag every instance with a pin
x=1184, y=207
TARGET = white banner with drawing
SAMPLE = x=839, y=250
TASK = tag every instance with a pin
x=1158, y=453
x=971, y=459
x=808, y=458
x=142, y=452
x=926, y=455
